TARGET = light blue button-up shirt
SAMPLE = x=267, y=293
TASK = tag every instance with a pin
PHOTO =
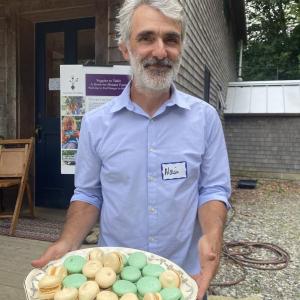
x=149, y=175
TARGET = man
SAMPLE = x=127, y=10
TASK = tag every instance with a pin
x=152, y=161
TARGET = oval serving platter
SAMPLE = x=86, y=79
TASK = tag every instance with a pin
x=188, y=285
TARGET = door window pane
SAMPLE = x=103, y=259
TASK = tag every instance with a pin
x=86, y=47
x=54, y=58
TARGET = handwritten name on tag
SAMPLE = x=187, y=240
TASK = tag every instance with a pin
x=174, y=170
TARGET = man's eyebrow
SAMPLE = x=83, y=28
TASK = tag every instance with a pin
x=173, y=35
x=170, y=34
x=144, y=33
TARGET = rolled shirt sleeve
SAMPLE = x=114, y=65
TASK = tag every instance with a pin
x=214, y=181
x=87, y=171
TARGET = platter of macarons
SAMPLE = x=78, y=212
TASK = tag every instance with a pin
x=110, y=273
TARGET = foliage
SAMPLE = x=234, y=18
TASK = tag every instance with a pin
x=273, y=46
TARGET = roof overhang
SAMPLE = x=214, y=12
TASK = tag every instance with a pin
x=263, y=97
x=238, y=18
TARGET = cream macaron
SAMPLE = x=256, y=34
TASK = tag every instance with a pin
x=152, y=296
x=107, y=295
x=96, y=254
x=66, y=294
x=88, y=291
x=91, y=267
x=129, y=296
x=59, y=271
x=105, y=277
x=113, y=260
x=48, y=286
x=170, y=278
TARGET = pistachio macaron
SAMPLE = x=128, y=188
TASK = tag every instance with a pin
x=74, y=280
x=74, y=263
x=171, y=293
x=152, y=270
x=148, y=284
x=131, y=273
x=121, y=287
x=137, y=259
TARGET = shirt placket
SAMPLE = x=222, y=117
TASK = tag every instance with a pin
x=152, y=187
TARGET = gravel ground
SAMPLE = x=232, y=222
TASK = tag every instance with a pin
x=269, y=213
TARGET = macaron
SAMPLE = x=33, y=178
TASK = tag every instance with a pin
x=105, y=277
x=121, y=287
x=107, y=295
x=129, y=296
x=137, y=259
x=48, y=286
x=170, y=278
x=59, y=271
x=66, y=294
x=74, y=263
x=152, y=296
x=96, y=254
x=88, y=290
x=171, y=293
x=148, y=284
x=74, y=280
x=152, y=270
x=90, y=268
x=131, y=273
x=113, y=260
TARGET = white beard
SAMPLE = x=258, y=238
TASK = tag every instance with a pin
x=154, y=78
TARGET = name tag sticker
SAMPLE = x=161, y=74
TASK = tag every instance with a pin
x=175, y=170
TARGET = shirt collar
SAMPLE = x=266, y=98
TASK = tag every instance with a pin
x=124, y=101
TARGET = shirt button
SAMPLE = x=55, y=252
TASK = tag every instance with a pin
x=151, y=149
x=152, y=210
x=151, y=239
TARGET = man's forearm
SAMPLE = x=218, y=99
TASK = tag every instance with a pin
x=81, y=217
x=212, y=217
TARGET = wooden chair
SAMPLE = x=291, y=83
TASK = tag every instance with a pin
x=15, y=159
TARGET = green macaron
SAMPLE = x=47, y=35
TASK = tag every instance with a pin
x=121, y=287
x=131, y=273
x=171, y=293
x=148, y=284
x=74, y=280
x=137, y=259
x=74, y=263
x=152, y=270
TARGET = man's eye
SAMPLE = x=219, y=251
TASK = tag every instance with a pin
x=172, y=41
x=145, y=39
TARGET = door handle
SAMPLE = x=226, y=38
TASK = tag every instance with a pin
x=38, y=132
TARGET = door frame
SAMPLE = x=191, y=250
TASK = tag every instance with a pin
x=70, y=28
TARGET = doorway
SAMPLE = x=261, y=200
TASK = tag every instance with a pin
x=57, y=43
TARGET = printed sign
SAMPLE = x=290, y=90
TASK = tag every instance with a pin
x=83, y=89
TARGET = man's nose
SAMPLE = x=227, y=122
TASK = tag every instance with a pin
x=159, y=50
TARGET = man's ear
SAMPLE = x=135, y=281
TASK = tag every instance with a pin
x=124, y=50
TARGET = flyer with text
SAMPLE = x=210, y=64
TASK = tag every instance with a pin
x=83, y=89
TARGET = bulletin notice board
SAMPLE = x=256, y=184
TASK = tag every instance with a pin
x=83, y=89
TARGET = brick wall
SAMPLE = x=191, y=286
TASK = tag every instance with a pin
x=209, y=42
x=266, y=146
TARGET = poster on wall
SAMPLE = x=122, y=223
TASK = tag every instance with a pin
x=83, y=89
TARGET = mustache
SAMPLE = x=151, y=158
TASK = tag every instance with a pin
x=165, y=62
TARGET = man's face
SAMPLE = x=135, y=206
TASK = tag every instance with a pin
x=154, y=49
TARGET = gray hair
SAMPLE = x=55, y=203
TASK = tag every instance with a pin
x=169, y=8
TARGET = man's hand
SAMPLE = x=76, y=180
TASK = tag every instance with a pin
x=81, y=217
x=54, y=251
x=212, y=217
x=209, y=248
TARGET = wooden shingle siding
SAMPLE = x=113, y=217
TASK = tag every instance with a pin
x=3, y=74
x=265, y=146
x=208, y=42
